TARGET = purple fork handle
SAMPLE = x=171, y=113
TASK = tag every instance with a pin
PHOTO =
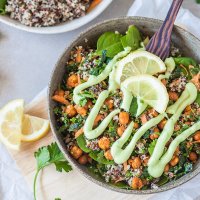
x=160, y=42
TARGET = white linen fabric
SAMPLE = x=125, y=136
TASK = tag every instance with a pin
x=17, y=189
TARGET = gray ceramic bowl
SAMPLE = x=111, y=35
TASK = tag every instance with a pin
x=182, y=39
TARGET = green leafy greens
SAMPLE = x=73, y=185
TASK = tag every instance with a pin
x=48, y=155
x=132, y=38
x=152, y=146
x=186, y=61
x=133, y=107
x=113, y=43
x=2, y=6
x=101, y=66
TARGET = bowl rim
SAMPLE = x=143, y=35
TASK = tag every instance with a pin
x=62, y=27
x=74, y=163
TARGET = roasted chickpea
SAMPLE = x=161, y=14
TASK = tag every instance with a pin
x=174, y=161
x=153, y=112
x=162, y=124
x=72, y=81
x=173, y=96
x=81, y=110
x=164, y=82
x=188, y=123
x=143, y=118
x=145, y=161
x=70, y=110
x=130, y=161
x=197, y=136
x=123, y=118
x=193, y=156
x=156, y=130
x=60, y=93
x=136, y=163
x=177, y=127
x=109, y=103
x=136, y=125
x=88, y=104
x=154, y=136
x=98, y=119
x=108, y=155
x=137, y=183
x=76, y=152
x=83, y=159
x=120, y=130
x=177, y=151
x=104, y=143
x=188, y=109
x=166, y=168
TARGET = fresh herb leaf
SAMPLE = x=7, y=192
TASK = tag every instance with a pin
x=86, y=95
x=57, y=111
x=163, y=180
x=112, y=127
x=57, y=199
x=132, y=38
x=48, y=155
x=99, y=157
x=110, y=42
x=152, y=146
x=2, y=7
x=198, y=98
x=82, y=143
x=101, y=66
x=188, y=167
x=121, y=185
x=133, y=107
x=186, y=61
x=77, y=123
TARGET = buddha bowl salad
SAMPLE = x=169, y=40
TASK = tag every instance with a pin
x=131, y=118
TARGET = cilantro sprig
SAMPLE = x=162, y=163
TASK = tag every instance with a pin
x=46, y=156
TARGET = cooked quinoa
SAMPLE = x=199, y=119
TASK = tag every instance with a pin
x=42, y=13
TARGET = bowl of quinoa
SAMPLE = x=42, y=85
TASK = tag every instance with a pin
x=50, y=17
x=74, y=123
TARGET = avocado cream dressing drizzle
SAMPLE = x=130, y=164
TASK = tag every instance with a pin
x=120, y=155
x=158, y=162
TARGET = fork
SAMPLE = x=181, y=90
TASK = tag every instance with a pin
x=160, y=42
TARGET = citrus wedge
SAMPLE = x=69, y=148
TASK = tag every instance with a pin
x=136, y=63
x=10, y=123
x=149, y=89
x=34, y=128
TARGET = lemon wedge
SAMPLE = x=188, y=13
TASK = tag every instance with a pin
x=149, y=89
x=11, y=116
x=34, y=128
x=137, y=63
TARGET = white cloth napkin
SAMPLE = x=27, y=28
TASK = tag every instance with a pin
x=158, y=9
x=18, y=189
